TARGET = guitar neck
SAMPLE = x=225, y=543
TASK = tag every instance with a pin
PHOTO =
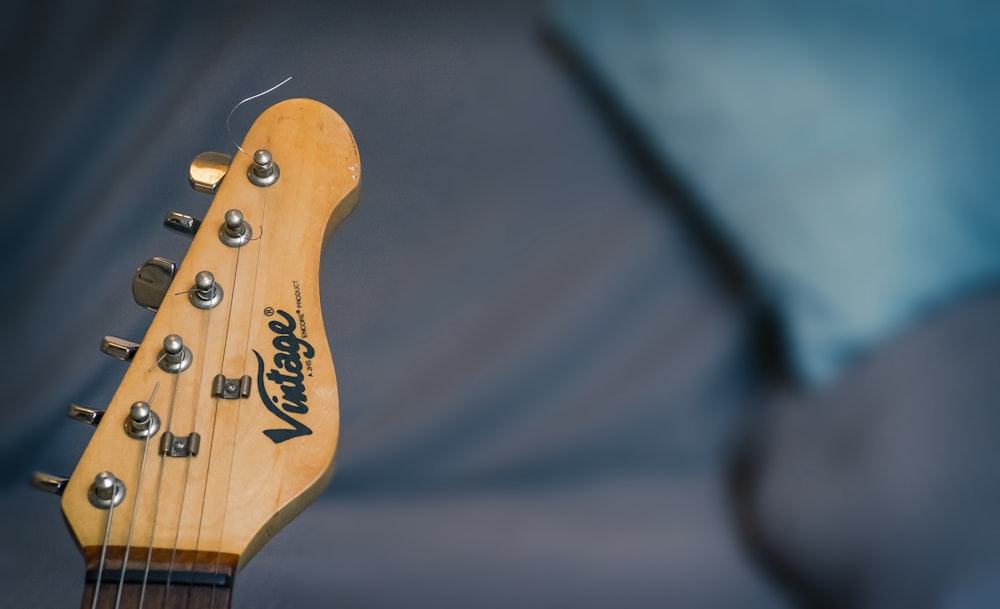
x=158, y=579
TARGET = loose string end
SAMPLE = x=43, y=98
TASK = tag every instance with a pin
x=252, y=97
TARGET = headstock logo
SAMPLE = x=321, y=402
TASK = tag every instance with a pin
x=287, y=375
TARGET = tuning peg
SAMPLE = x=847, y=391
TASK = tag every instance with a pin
x=151, y=282
x=263, y=171
x=119, y=348
x=182, y=223
x=141, y=422
x=236, y=231
x=49, y=483
x=207, y=294
x=207, y=170
x=84, y=414
x=175, y=357
x=106, y=492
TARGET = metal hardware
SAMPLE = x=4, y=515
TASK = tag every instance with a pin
x=207, y=294
x=231, y=389
x=119, y=348
x=106, y=491
x=173, y=446
x=84, y=415
x=182, y=223
x=141, y=422
x=263, y=171
x=175, y=357
x=49, y=483
x=207, y=170
x=152, y=281
x=235, y=232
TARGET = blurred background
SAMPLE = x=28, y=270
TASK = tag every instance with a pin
x=645, y=304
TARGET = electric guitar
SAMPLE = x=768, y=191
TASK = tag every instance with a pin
x=225, y=424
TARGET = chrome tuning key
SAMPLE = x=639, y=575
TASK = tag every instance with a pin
x=182, y=223
x=84, y=414
x=49, y=483
x=152, y=282
x=206, y=294
x=119, y=348
x=207, y=170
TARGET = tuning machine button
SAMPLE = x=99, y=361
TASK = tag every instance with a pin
x=152, y=281
x=49, y=483
x=119, y=348
x=207, y=170
x=182, y=223
x=84, y=414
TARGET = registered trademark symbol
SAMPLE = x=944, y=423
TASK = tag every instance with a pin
x=269, y=311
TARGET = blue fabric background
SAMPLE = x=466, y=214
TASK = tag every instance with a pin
x=847, y=150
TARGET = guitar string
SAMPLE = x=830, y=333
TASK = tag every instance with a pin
x=198, y=378
x=232, y=306
x=145, y=575
x=215, y=413
x=215, y=420
x=157, y=362
x=187, y=471
x=167, y=423
x=104, y=550
x=156, y=506
x=149, y=549
x=225, y=349
x=170, y=567
x=135, y=505
x=236, y=425
x=255, y=96
x=208, y=469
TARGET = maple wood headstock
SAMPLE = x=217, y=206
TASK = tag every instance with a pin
x=226, y=422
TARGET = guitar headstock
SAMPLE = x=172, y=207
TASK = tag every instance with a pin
x=226, y=422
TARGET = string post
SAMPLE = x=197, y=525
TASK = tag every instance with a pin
x=206, y=294
x=141, y=421
x=106, y=492
x=176, y=357
x=263, y=171
x=235, y=231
